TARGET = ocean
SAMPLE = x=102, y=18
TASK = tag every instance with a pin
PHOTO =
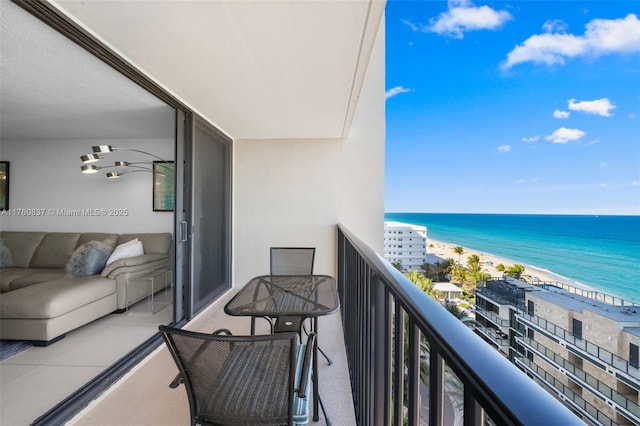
x=601, y=252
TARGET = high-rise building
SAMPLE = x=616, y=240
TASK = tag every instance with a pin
x=405, y=244
x=581, y=345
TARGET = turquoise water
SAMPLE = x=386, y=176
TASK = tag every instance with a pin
x=597, y=251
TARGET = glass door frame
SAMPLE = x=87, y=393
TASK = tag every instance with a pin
x=185, y=119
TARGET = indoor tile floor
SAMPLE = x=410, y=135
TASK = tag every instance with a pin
x=35, y=380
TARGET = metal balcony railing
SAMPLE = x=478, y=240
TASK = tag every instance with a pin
x=400, y=341
x=494, y=318
x=590, y=294
x=582, y=346
x=593, y=414
x=600, y=389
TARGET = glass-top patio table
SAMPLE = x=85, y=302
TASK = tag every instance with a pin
x=286, y=297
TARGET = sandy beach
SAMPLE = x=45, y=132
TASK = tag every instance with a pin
x=445, y=250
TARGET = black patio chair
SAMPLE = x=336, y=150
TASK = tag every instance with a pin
x=292, y=261
x=243, y=380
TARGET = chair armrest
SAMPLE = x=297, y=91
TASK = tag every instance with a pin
x=133, y=264
x=306, y=366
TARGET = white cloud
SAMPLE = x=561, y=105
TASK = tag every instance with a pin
x=462, y=17
x=601, y=37
x=554, y=25
x=396, y=91
x=504, y=148
x=635, y=183
x=564, y=135
x=408, y=23
x=531, y=180
x=561, y=114
x=599, y=106
x=531, y=139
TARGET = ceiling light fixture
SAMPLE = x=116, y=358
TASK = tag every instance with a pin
x=100, y=150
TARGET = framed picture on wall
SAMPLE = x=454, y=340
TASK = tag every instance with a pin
x=164, y=193
x=4, y=185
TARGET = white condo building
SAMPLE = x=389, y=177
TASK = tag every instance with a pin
x=406, y=244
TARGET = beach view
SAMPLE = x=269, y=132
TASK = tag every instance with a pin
x=592, y=252
x=513, y=185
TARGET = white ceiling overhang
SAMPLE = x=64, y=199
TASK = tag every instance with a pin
x=256, y=69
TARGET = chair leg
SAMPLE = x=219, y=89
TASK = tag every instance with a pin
x=319, y=348
x=176, y=382
x=325, y=356
x=324, y=412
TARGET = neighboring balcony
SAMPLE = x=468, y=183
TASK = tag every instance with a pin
x=399, y=358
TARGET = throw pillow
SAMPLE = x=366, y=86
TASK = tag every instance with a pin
x=5, y=256
x=128, y=249
x=89, y=259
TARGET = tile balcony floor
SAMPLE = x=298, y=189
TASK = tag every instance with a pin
x=144, y=397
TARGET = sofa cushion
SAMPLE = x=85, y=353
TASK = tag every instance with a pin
x=54, y=298
x=129, y=249
x=98, y=236
x=54, y=250
x=22, y=246
x=14, y=278
x=8, y=275
x=130, y=263
x=89, y=258
x=152, y=243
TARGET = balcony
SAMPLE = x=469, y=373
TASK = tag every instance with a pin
x=398, y=357
x=587, y=350
x=601, y=390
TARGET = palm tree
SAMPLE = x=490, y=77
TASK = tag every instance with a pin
x=428, y=269
x=421, y=281
x=515, y=271
x=398, y=266
x=500, y=267
x=442, y=268
x=457, y=274
x=473, y=263
x=461, y=314
x=458, y=250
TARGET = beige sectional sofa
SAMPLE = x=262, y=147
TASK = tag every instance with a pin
x=41, y=301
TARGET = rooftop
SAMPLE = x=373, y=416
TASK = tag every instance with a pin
x=578, y=303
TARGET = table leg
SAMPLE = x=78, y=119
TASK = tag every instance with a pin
x=316, y=396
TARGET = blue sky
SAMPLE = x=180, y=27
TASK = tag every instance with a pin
x=513, y=107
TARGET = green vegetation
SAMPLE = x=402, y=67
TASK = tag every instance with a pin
x=437, y=271
x=398, y=266
x=459, y=250
x=421, y=281
x=514, y=271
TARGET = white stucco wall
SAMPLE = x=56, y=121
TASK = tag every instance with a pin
x=46, y=175
x=363, y=156
x=295, y=192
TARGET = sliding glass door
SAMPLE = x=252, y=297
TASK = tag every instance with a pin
x=209, y=217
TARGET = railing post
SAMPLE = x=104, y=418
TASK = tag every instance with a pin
x=380, y=352
x=413, y=391
x=398, y=366
x=436, y=388
x=473, y=413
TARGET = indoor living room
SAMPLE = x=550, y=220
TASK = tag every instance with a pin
x=59, y=102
